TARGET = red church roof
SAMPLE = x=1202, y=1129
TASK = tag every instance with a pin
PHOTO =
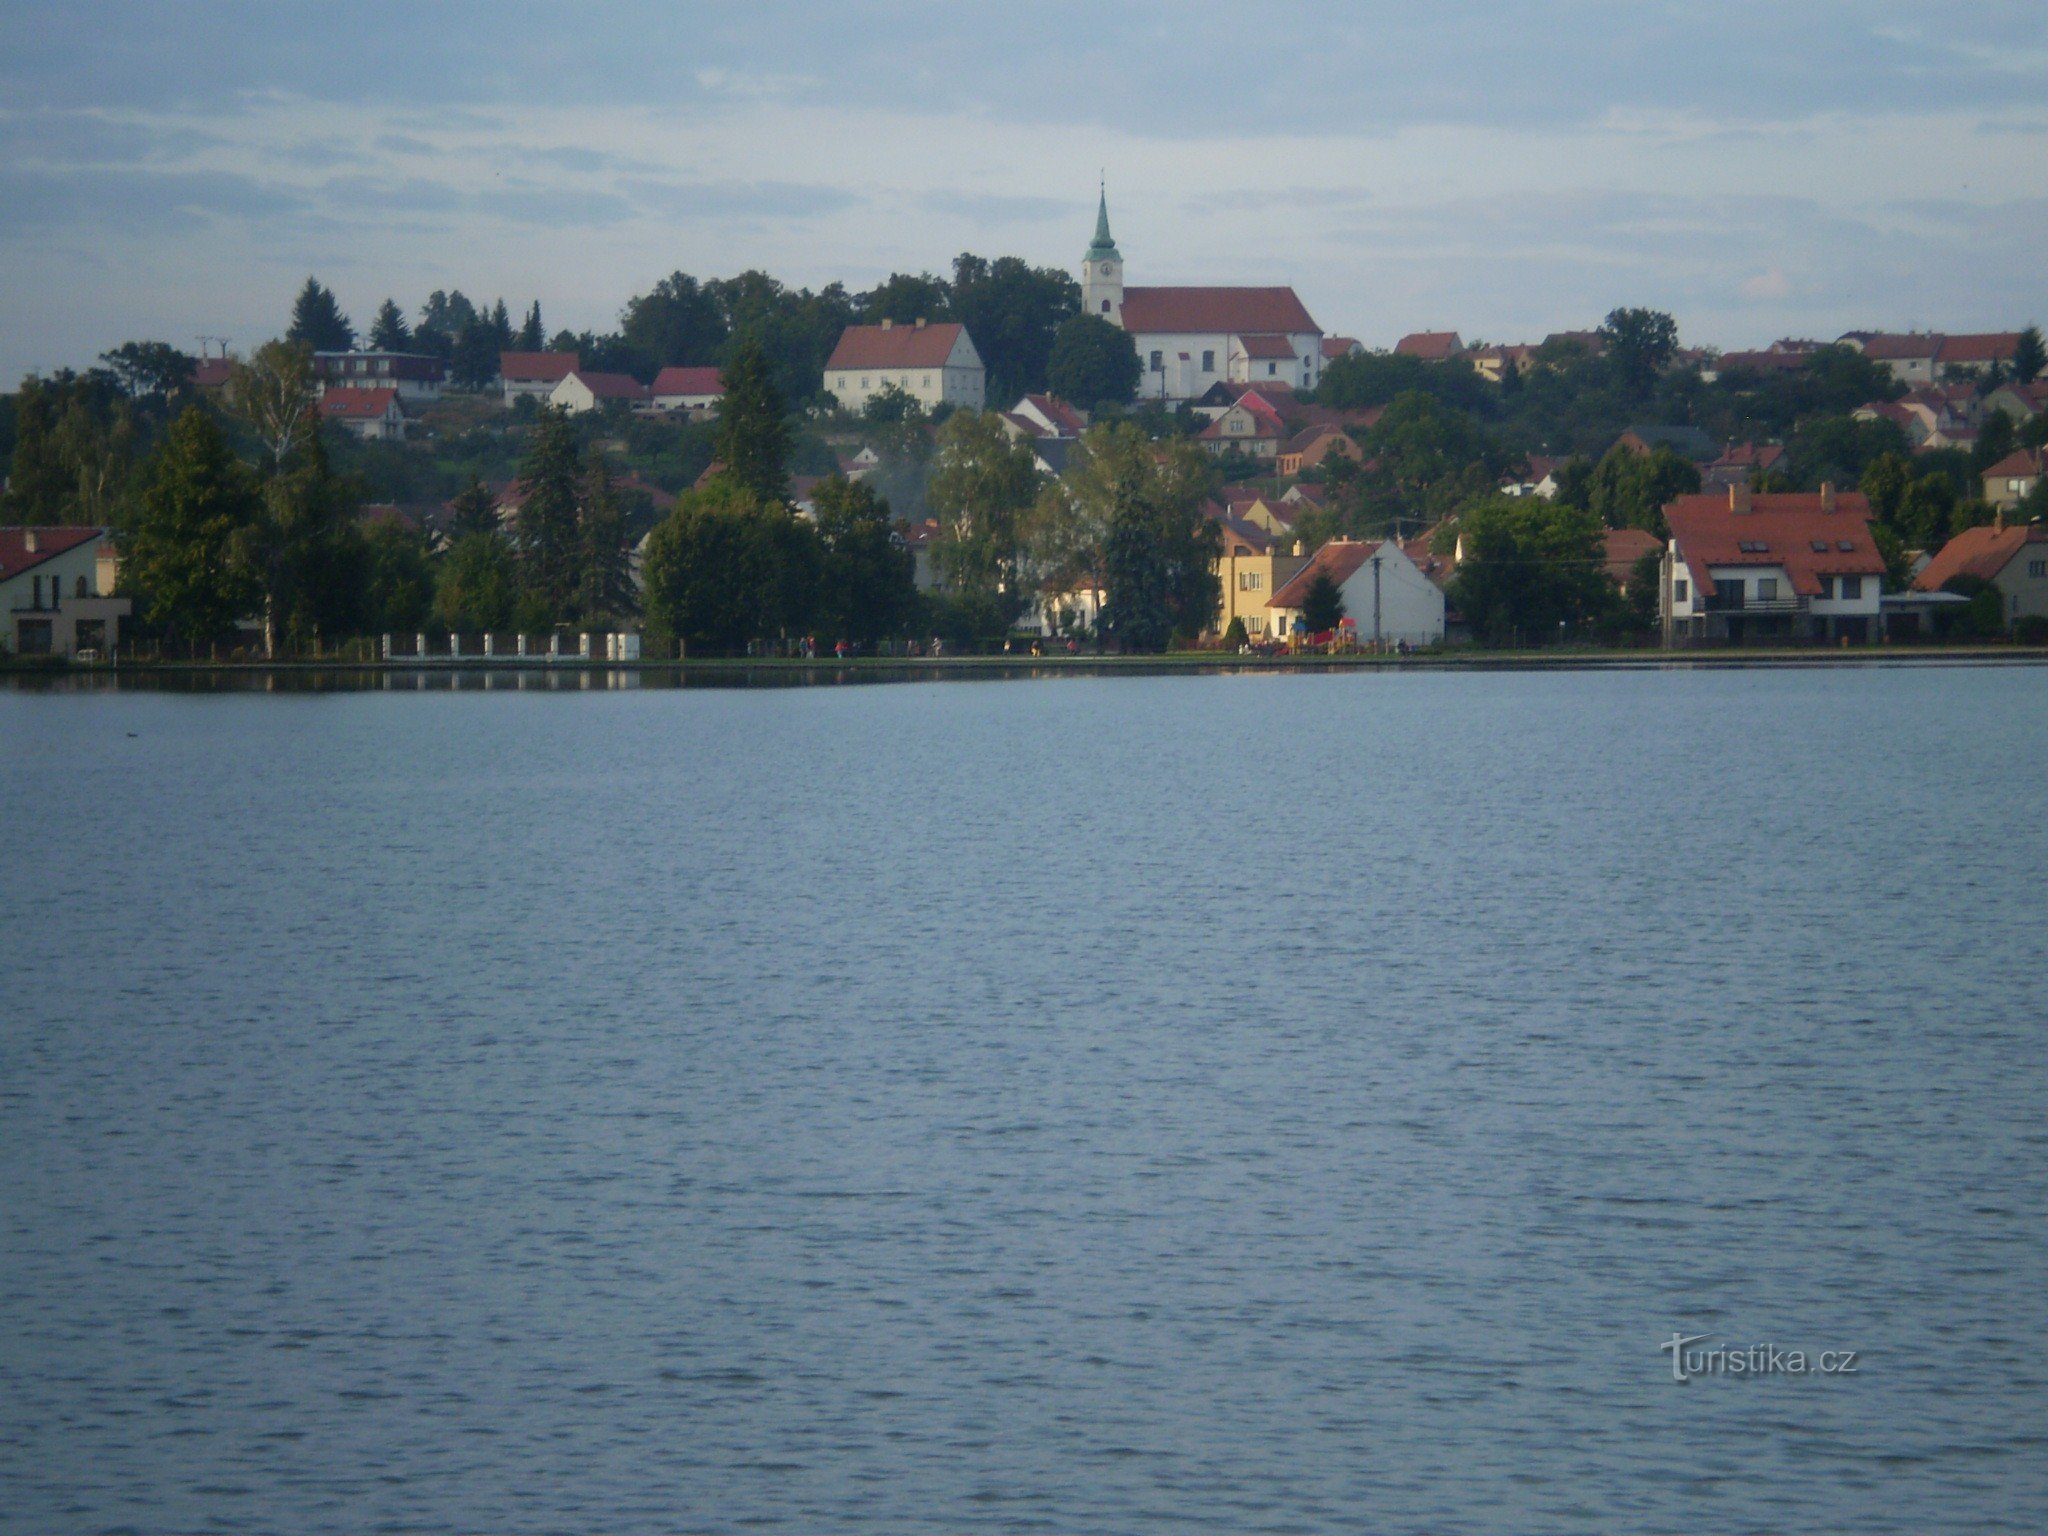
x=1228, y=311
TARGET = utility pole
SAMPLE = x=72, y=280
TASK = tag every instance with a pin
x=1376, y=595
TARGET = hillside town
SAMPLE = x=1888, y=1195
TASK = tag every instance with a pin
x=1015, y=457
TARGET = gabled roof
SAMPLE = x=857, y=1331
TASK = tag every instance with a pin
x=688, y=381
x=2019, y=463
x=1979, y=347
x=611, y=386
x=1980, y=552
x=358, y=404
x=1234, y=311
x=1430, y=346
x=1267, y=419
x=16, y=556
x=1795, y=530
x=538, y=367
x=1340, y=560
x=1335, y=347
x=1749, y=456
x=1913, y=345
x=1057, y=411
x=1623, y=547
x=920, y=345
x=212, y=372
x=1265, y=345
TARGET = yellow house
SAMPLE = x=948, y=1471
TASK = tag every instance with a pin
x=1250, y=568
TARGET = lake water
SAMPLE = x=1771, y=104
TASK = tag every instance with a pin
x=1239, y=1103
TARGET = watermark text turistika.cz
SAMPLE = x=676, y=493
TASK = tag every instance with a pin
x=1689, y=1359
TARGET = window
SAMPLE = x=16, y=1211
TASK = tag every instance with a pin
x=2037, y=568
x=1767, y=589
x=1849, y=587
x=927, y=381
x=1820, y=546
x=1158, y=361
x=1208, y=362
x=1272, y=369
x=863, y=383
x=1680, y=591
x=1105, y=306
x=78, y=589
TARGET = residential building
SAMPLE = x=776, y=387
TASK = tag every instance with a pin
x=1189, y=339
x=2022, y=402
x=1738, y=463
x=1309, y=448
x=1335, y=347
x=1050, y=416
x=1272, y=515
x=1746, y=565
x=935, y=363
x=583, y=390
x=1622, y=549
x=694, y=390
x=2013, y=478
x=1970, y=355
x=375, y=415
x=1430, y=346
x=1495, y=363
x=1251, y=426
x=1386, y=595
x=416, y=376
x=1934, y=357
x=2012, y=557
x=1251, y=565
x=56, y=594
x=1688, y=442
x=535, y=374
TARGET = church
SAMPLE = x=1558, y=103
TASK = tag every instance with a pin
x=1189, y=339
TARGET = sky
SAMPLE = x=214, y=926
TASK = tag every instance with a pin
x=1758, y=168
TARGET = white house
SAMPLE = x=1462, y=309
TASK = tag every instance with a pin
x=1385, y=593
x=1191, y=338
x=371, y=414
x=696, y=390
x=56, y=592
x=582, y=391
x=1772, y=566
x=534, y=373
x=935, y=363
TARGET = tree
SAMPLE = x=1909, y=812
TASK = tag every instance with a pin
x=473, y=359
x=273, y=393
x=181, y=551
x=983, y=482
x=532, y=337
x=866, y=588
x=1995, y=439
x=1529, y=566
x=1235, y=638
x=1013, y=311
x=753, y=431
x=2029, y=357
x=1322, y=606
x=549, y=554
x=890, y=404
x=1639, y=343
x=726, y=567
x=1645, y=592
x=676, y=322
x=297, y=549
x=1885, y=483
x=318, y=324
x=1157, y=549
x=389, y=332
x=904, y=299
x=149, y=368
x=477, y=590
x=398, y=580
x=75, y=445
x=606, y=588
x=1631, y=490
x=1092, y=363
x=474, y=510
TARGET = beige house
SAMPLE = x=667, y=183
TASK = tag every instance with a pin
x=56, y=592
x=583, y=390
x=934, y=363
x=2014, y=559
x=2013, y=478
x=1250, y=568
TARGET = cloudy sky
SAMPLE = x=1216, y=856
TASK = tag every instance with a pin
x=1758, y=167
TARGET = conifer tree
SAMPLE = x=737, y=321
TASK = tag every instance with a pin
x=389, y=332
x=548, y=545
x=607, y=575
x=317, y=321
x=753, y=433
x=532, y=337
x=181, y=551
x=474, y=510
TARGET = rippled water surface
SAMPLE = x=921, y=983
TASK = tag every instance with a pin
x=1242, y=1104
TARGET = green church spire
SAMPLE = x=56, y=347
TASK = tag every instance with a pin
x=1103, y=248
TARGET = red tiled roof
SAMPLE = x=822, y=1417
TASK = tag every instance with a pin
x=211, y=372
x=1335, y=347
x=16, y=556
x=357, y=404
x=1711, y=532
x=1980, y=552
x=611, y=386
x=1267, y=345
x=1430, y=346
x=1979, y=347
x=895, y=346
x=1749, y=456
x=1763, y=362
x=1623, y=547
x=688, y=381
x=1267, y=421
x=1236, y=311
x=1057, y=411
x=1914, y=344
x=1340, y=560
x=538, y=367
x=2020, y=462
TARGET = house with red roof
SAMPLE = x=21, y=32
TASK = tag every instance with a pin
x=933, y=362
x=1430, y=346
x=415, y=375
x=1335, y=347
x=374, y=415
x=1251, y=426
x=2012, y=479
x=1774, y=566
x=56, y=594
x=1621, y=549
x=1252, y=563
x=2012, y=557
x=694, y=390
x=583, y=390
x=534, y=373
x=1738, y=463
x=1189, y=339
x=1386, y=594
x=1308, y=449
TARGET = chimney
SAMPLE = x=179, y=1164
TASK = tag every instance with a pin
x=1827, y=495
x=887, y=323
x=920, y=322
x=28, y=540
x=1739, y=497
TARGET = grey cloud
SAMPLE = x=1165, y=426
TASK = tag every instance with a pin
x=995, y=208
x=133, y=201
x=727, y=199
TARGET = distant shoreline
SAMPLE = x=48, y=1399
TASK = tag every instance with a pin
x=791, y=670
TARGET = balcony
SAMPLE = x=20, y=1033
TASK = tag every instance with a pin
x=1735, y=602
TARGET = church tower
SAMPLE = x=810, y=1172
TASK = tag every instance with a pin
x=1102, y=271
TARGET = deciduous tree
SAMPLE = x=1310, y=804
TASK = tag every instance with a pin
x=1092, y=363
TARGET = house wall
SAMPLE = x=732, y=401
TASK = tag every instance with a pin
x=1174, y=380
x=963, y=387
x=2024, y=582
x=1248, y=583
x=1411, y=605
x=49, y=597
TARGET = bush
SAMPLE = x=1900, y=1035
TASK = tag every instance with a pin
x=1235, y=636
x=2031, y=630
